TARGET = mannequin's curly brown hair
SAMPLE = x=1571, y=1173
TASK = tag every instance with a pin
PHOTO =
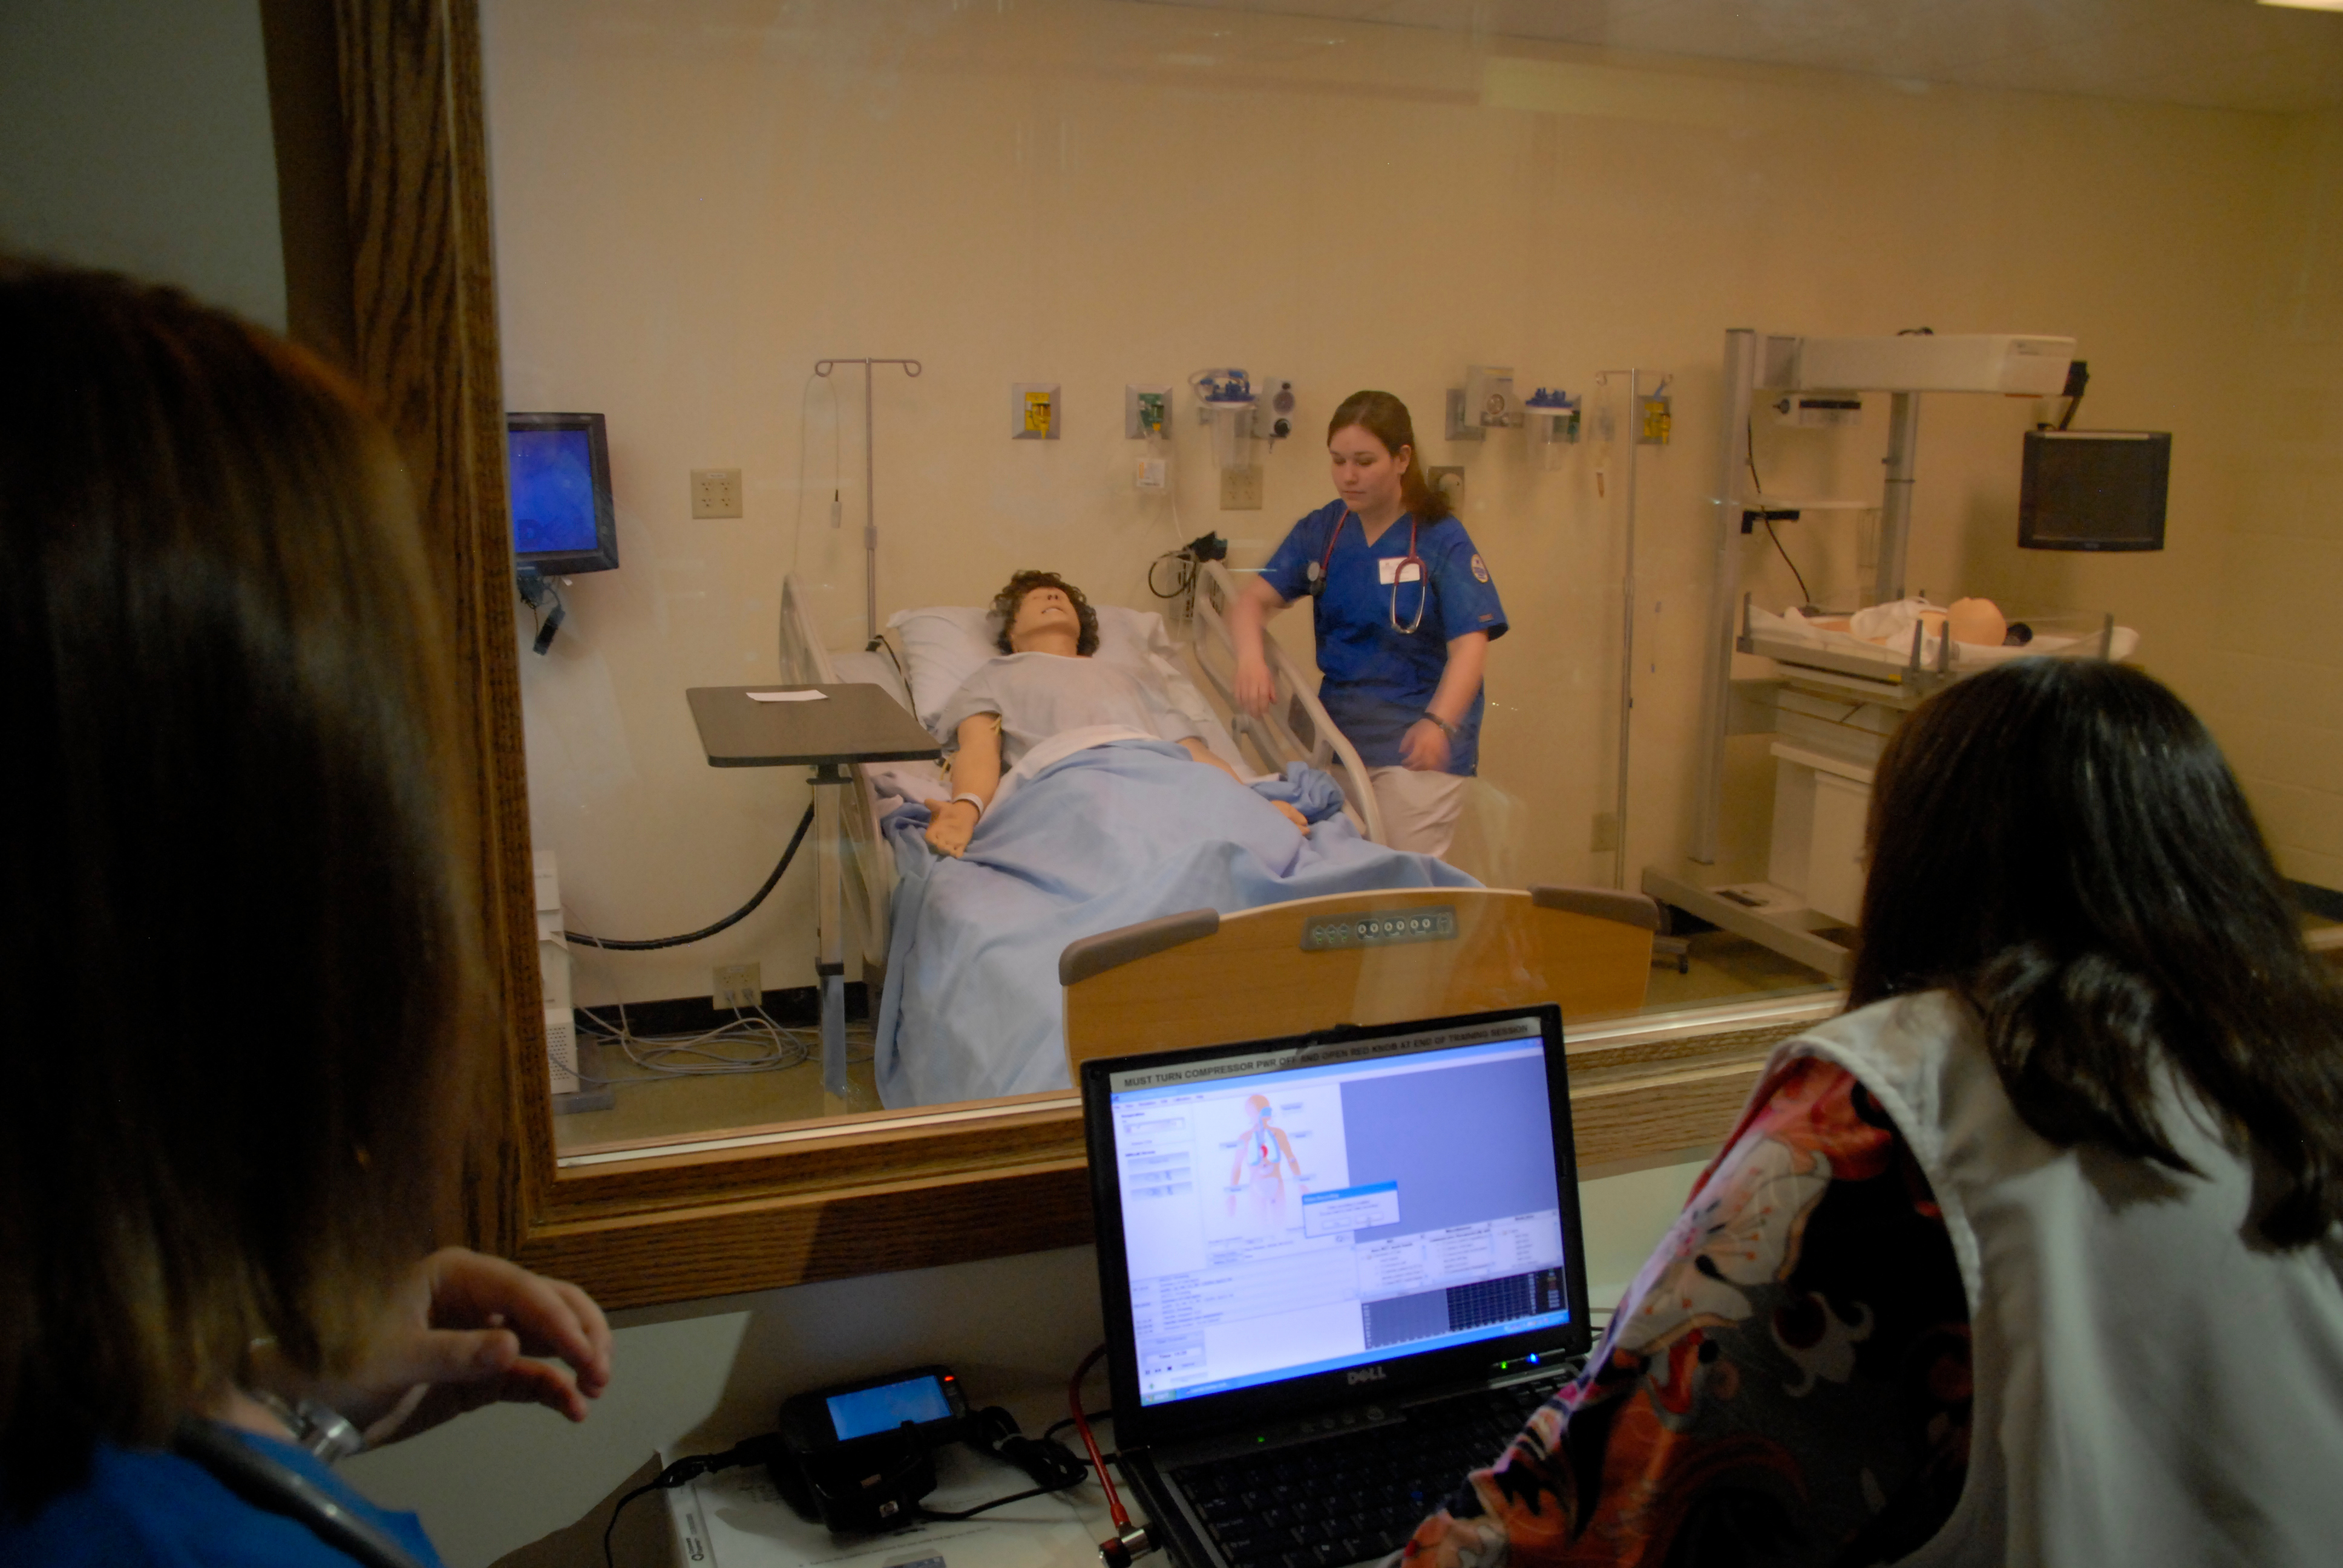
x=1006, y=602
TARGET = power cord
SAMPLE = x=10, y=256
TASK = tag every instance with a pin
x=996, y=1432
x=1129, y=1539
x=535, y=589
x=991, y=1429
x=1749, y=452
x=613, y=944
x=690, y=1468
x=1186, y=561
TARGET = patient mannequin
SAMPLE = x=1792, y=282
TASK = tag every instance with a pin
x=1043, y=614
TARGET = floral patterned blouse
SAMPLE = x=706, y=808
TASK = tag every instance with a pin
x=1786, y=1382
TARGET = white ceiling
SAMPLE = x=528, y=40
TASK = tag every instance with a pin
x=2217, y=53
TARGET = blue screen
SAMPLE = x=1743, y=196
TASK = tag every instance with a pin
x=552, y=492
x=883, y=1409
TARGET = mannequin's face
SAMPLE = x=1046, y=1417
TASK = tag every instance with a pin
x=1367, y=473
x=1046, y=623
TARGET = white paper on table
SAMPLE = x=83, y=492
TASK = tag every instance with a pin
x=787, y=695
x=737, y=1518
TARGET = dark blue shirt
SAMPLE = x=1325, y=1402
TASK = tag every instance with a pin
x=143, y=1509
x=1378, y=679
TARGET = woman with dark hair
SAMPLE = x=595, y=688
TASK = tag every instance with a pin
x=1403, y=616
x=2035, y=1253
x=238, y=935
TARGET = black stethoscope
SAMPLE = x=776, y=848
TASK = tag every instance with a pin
x=1319, y=569
x=274, y=1487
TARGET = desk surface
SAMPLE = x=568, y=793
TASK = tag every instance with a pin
x=735, y=1519
x=850, y=723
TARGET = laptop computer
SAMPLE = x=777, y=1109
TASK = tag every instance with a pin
x=1338, y=1270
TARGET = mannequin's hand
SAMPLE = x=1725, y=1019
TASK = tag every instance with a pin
x=1296, y=817
x=466, y=1330
x=1424, y=748
x=949, y=827
x=1255, y=689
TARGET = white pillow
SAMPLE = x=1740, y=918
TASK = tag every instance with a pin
x=945, y=644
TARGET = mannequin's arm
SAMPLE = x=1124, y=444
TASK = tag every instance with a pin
x=975, y=770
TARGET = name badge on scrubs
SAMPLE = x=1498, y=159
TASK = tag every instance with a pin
x=1390, y=567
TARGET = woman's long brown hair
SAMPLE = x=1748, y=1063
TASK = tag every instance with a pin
x=237, y=919
x=2060, y=842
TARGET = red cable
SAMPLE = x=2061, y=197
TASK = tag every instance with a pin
x=1115, y=1510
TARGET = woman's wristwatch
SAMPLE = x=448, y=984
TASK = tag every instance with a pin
x=1446, y=728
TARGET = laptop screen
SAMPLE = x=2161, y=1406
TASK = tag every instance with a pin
x=1304, y=1207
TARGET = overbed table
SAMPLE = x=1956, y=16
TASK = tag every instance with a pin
x=846, y=725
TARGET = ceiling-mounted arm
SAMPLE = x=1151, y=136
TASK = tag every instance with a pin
x=870, y=481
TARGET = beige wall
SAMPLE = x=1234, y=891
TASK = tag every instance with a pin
x=135, y=135
x=695, y=202
x=2274, y=685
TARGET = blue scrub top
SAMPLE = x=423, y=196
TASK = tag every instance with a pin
x=1377, y=681
x=143, y=1509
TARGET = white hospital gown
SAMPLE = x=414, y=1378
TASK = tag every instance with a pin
x=1039, y=695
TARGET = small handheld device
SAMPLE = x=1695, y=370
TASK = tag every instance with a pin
x=858, y=1456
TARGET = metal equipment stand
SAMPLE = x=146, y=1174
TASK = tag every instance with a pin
x=870, y=480
x=849, y=724
x=1768, y=915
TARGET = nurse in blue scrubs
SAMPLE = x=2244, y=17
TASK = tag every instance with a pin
x=1404, y=611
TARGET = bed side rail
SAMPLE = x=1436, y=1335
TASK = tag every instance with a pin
x=870, y=860
x=1296, y=728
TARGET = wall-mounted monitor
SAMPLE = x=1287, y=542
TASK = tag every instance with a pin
x=563, y=520
x=2094, y=489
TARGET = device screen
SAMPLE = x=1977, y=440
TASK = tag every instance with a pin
x=552, y=491
x=1290, y=1221
x=918, y=1400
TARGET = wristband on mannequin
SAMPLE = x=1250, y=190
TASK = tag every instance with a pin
x=973, y=799
x=1446, y=728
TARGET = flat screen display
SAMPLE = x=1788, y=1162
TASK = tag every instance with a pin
x=552, y=491
x=2094, y=490
x=1282, y=1220
x=563, y=517
x=917, y=1400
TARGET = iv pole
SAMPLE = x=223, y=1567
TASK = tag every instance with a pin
x=870, y=482
x=1631, y=420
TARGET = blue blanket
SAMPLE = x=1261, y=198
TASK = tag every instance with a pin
x=1104, y=838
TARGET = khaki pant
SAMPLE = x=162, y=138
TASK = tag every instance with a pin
x=1420, y=810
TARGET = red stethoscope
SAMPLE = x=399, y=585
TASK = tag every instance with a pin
x=1320, y=568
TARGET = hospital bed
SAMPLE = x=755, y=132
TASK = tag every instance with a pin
x=1295, y=730
x=1490, y=948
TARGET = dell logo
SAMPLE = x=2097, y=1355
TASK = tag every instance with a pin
x=1366, y=1374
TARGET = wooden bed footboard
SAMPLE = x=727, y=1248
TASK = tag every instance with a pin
x=1203, y=978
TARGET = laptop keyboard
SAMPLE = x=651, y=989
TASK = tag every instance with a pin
x=1356, y=1496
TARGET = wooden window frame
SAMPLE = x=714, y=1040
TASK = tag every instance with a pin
x=382, y=161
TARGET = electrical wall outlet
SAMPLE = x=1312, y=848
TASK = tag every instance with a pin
x=739, y=987
x=1605, y=836
x=1240, y=489
x=715, y=492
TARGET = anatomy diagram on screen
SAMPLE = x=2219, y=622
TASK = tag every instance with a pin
x=1264, y=1163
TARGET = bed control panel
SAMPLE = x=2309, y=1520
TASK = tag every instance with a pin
x=1380, y=928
